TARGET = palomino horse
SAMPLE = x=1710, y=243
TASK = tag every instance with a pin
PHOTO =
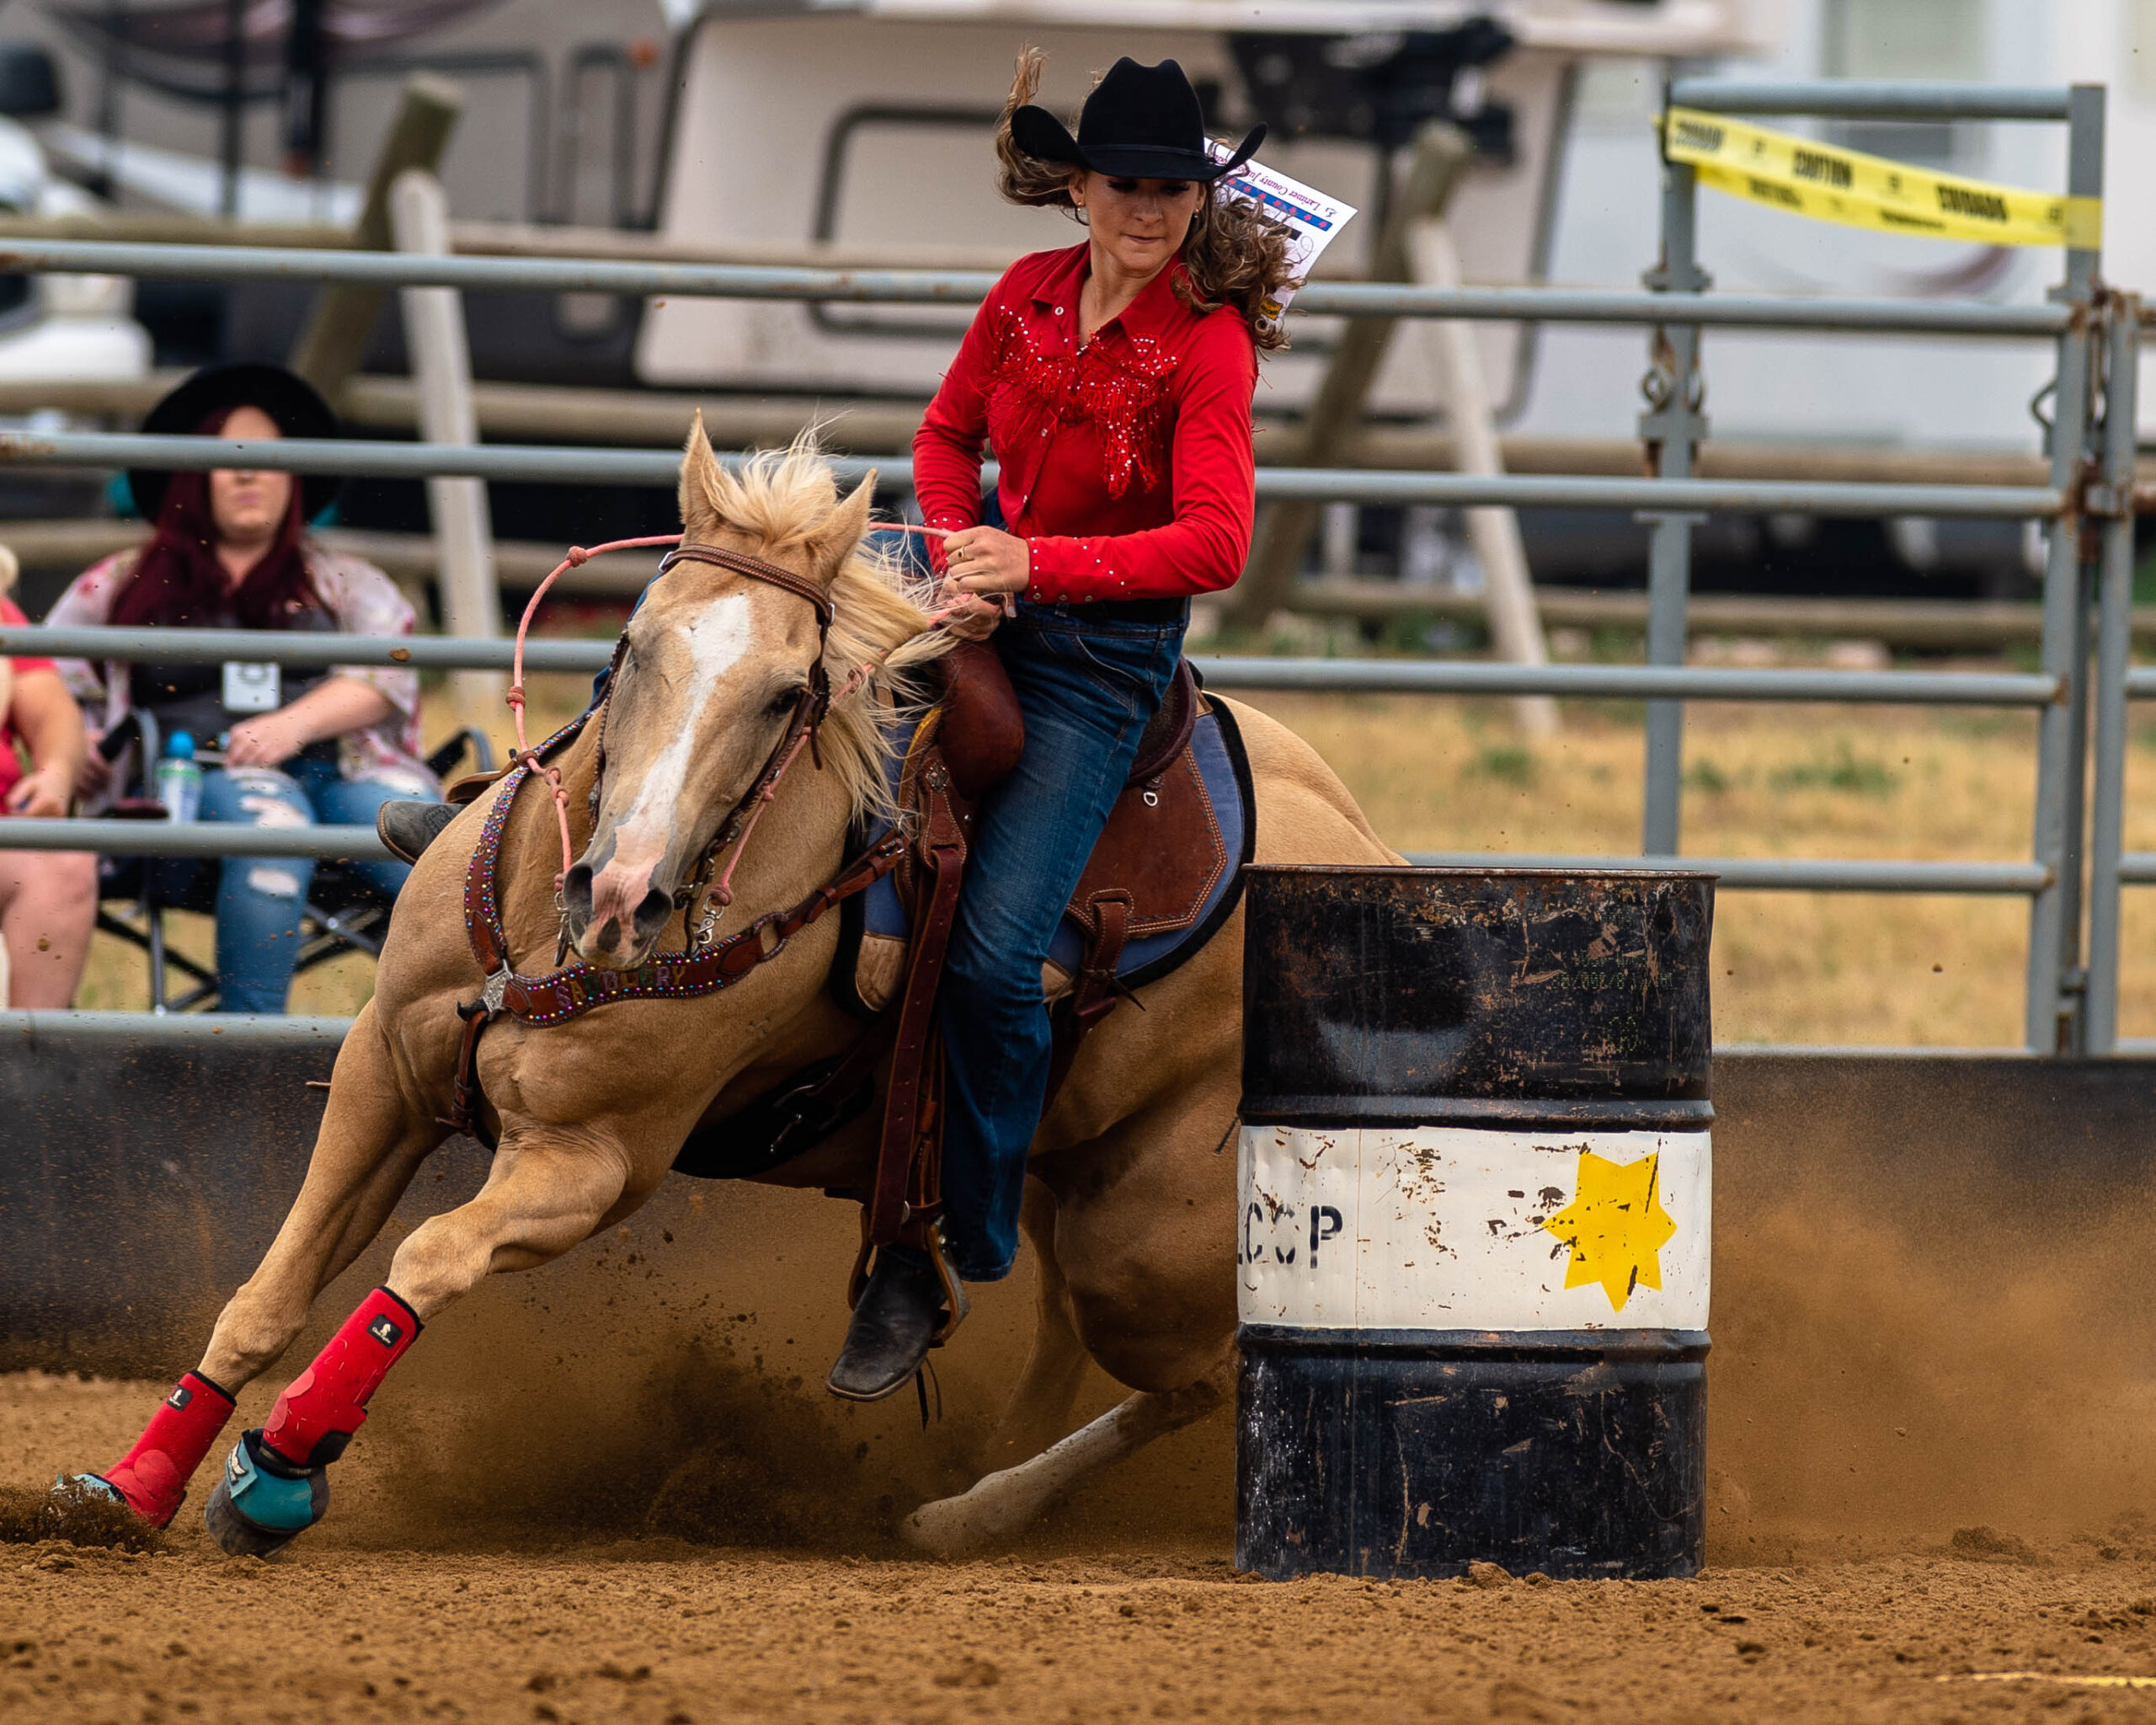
x=1133, y=1213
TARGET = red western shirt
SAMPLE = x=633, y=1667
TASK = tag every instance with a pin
x=1126, y=462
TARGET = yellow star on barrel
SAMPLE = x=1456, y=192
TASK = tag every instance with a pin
x=1615, y=1226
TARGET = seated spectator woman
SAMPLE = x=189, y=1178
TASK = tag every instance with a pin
x=230, y=551
x=48, y=899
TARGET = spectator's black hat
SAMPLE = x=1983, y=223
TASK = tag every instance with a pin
x=287, y=397
x=1142, y=121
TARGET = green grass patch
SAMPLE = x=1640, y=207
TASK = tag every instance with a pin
x=1706, y=777
x=1506, y=763
x=1845, y=771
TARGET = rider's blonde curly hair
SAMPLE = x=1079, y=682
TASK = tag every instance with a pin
x=1236, y=254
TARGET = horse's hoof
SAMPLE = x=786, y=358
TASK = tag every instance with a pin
x=951, y=1527
x=83, y=1502
x=261, y=1505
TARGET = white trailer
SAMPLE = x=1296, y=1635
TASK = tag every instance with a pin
x=867, y=122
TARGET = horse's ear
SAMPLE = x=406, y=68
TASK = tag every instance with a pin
x=840, y=530
x=700, y=516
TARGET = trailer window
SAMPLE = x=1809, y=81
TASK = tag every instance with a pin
x=1909, y=39
x=876, y=158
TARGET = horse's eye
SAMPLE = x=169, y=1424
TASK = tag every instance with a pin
x=784, y=702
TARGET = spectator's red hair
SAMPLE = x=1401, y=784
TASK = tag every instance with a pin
x=179, y=580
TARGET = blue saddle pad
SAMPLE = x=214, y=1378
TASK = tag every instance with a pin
x=1216, y=749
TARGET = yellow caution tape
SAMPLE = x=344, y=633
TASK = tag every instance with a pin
x=1827, y=183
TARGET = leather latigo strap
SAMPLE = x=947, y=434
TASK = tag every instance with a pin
x=941, y=849
x=1095, y=990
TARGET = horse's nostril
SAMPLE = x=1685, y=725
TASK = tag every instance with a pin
x=652, y=914
x=576, y=892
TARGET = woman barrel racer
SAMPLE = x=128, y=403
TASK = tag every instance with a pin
x=1112, y=381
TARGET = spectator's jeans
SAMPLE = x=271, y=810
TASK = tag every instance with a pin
x=259, y=899
x=1087, y=689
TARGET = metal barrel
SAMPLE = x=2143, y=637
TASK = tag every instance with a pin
x=1475, y=1185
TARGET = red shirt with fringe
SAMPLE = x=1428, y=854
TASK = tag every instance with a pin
x=1126, y=462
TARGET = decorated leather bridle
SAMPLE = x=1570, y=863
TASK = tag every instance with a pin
x=706, y=964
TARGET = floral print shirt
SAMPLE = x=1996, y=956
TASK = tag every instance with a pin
x=363, y=601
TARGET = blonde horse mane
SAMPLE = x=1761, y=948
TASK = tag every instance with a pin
x=789, y=499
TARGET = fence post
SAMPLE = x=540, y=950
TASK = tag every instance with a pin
x=2054, y=1021
x=2113, y=657
x=1438, y=158
x=1672, y=428
x=441, y=367
x=1508, y=592
x=330, y=346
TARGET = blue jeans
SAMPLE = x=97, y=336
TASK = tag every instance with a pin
x=1087, y=688
x=259, y=899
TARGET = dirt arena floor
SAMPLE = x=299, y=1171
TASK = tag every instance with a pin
x=365, y=1621
x=614, y=1490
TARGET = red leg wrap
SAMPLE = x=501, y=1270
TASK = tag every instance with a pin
x=325, y=1404
x=153, y=1477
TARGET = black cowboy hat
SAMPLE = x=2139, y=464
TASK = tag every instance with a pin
x=1141, y=122
x=287, y=397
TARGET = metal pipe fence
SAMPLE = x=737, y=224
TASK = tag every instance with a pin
x=746, y=281
x=2070, y=1003
x=1326, y=676
x=152, y=838
x=358, y=458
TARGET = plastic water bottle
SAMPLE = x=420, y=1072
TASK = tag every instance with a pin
x=179, y=780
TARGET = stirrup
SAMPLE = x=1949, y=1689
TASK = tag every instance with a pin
x=956, y=1304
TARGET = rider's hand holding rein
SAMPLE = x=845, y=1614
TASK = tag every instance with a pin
x=990, y=566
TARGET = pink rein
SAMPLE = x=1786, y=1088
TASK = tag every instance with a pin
x=525, y=756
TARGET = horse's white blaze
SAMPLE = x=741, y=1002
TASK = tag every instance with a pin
x=718, y=641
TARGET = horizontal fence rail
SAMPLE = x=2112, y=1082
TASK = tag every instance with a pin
x=1875, y=98
x=1546, y=305
x=571, y=465
x=310, y=650
x=24, y=1029
x=1797, y=874
x=1406, y=677
x=212, y=839
x=193, y=839
x=1409, y=676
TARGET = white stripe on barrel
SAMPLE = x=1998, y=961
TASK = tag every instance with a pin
x=1468, y=1228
